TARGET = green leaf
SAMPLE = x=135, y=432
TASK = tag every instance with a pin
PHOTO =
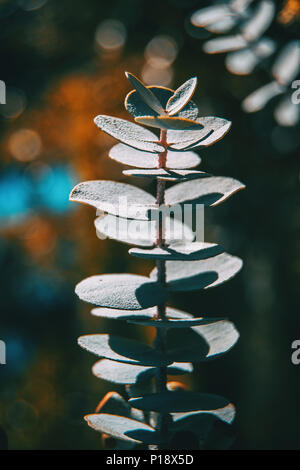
x=193, y=275
x=145, y=93
x=166, y=122
x=117, y=348
x=129, y=133
x=180, y=401
x=179, y=251
x=124, y=291
x=109, y=196
x=126, y=374
x=137, y=107
x=149, y=313
x=123, y=428
x=181, y=96
x=136, y=158
x=168, y=175
x=209, y=191
x=140, y=232
x=214, y=129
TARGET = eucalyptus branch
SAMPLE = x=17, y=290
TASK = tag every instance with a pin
x=155, y=418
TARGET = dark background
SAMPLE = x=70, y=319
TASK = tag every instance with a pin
x=58, y=78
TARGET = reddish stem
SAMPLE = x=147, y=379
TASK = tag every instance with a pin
x=159, y=342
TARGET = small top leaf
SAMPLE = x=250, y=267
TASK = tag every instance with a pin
x=137, y=107
x=145, y=93
x=181, y=96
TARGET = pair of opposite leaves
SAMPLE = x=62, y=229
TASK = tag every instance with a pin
x=162, y=108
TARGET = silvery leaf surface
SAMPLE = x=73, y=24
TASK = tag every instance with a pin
x=214, y=129
x=181, y=96
x=136, y=158
x=126, y=429
x=125, y=374
x=209, y=191
x=117, y=348
x=123, y=291
x=141, y=232
x=129, y=133
x=120, y=199
x=193, y=275
x=149, y=313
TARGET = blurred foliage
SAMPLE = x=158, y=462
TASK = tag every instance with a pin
x=61, y=69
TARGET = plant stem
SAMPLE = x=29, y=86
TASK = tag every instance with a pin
x=159, y=342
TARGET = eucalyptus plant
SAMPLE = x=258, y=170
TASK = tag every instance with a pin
x=154, y=411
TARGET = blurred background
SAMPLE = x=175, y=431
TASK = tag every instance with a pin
x=63, y=63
